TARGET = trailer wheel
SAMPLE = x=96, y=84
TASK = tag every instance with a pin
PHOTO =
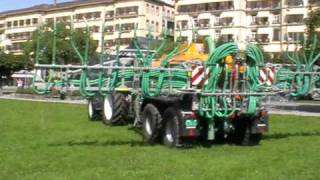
x=243, y=135
x=151, y=119
x=171, y=132
x=115, y=109
x=93, y=112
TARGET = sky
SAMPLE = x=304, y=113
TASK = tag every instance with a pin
x=18, y=4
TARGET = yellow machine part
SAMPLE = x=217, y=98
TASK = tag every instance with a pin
x=194, y=53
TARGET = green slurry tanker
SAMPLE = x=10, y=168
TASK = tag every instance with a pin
x=184, y=96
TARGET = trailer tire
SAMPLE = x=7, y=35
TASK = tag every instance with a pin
x=171, y=130
x=243, y=135
x=115, y=109
x=151, y=119
x=93, y=113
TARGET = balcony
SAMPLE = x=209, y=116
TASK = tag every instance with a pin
x=314, y=2
x=262, y=38
x=88, y=16
x=125, y=27
x=294, y=19
x=204, y=23
x=205, y=7
x=294, y=3
x=263, y=5
x=127, y=12
x=109, y=29
x=109, y=15
x=262, y=21
x=19, y=36
x=182, y=25
x=227, y=21
x=227, y=38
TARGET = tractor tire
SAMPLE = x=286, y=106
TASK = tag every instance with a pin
x=94, y=114
x=115, y=109
x=243, y=135
x=151, y=119
x=171, y=130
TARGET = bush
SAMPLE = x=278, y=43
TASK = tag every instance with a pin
x=24, y=91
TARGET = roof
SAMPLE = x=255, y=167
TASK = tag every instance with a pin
x=71, y=4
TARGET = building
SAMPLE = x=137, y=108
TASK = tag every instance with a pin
x=275, y=24
x=17, y=26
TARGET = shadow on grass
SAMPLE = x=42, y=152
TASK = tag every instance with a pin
x=287, y=135
x=131, y=143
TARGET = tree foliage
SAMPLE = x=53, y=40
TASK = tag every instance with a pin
x=65, y=54
x=10, y=63
x=313, y=23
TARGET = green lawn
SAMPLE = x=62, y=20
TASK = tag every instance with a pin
x=56, y=141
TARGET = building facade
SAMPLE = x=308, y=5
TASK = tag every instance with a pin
x=277, y=25
x=16, y=26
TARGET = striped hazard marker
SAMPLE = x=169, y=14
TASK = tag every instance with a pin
x=199, y=75
x=267, y=75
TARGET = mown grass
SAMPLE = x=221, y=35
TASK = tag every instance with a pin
x=56, y=141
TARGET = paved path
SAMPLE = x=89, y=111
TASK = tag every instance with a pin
x=51, y=100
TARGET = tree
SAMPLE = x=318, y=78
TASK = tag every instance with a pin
x=313, y=23
x=10, y=63
x=65, y=54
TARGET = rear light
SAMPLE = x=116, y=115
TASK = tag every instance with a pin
x=191, y=132
x=238, y=98
x=264, y=114
x=193, y=115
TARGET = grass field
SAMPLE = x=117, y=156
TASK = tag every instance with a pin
x=56, y=141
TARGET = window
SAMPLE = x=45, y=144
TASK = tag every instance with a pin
x=15, y=23
x=21, y=22
x=253, y=20
x=295, y=36
x=217, y=34
x=9, y=24
x=157, y=27
x=28, y=22
x=182, y=24
x=97, y=15
x=109, y=14
x=253, y=35
x=276, y=35
x=204, y=23
x=276, y=19
x=35, y=21
x=109, y=29
x=96, y=29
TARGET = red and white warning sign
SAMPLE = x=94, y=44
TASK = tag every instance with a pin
x=267, y=75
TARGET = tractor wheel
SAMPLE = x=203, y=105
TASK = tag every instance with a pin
x=171, y=130
x=243, y=135
x=115, y=109
x=151, y=119
x=93, y=113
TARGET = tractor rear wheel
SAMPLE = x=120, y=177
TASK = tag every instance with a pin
x=115, y=109
x=243, y=134
x=151, y=119
x=171, y=130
